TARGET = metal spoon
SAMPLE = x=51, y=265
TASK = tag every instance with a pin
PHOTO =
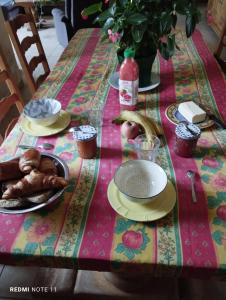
x=191, y=175
x=45, y=146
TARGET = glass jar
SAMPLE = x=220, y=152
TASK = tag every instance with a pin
x=187, y=136
x=85, y=137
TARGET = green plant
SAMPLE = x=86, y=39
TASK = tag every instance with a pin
x=145, y=25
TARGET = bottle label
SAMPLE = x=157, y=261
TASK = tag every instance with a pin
x=128, y=91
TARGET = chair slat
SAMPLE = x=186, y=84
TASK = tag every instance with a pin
x=19, y=21
x=6, y=103
x=22, y=47
x=222, y=43
x=14, y=99
x=35, y=61
x=27, y=42
x=40, y=79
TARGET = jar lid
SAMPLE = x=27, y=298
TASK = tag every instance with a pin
x=84, y=133
x=187, y=131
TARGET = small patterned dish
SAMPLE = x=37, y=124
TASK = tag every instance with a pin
x=43, y=112
x=140, y=180
x=175, y=117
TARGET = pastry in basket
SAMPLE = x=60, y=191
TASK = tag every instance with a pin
x=47, y=166
x=33, y=183
x=29, y=160
x=39, y=197
x=10, y=170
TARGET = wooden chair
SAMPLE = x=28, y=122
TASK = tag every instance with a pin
x=221, y=45
x=14, y=99
x=21, y=47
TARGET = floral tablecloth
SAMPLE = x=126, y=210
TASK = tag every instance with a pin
x=82, y=230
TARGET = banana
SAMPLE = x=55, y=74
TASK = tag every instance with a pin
x=149, y=126
x=158, y=128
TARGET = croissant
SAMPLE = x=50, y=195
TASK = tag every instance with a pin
x=10, y=170
x=29, y=160
x=47, y=166
x=32, y=183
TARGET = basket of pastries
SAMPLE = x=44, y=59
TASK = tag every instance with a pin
x=31, y=181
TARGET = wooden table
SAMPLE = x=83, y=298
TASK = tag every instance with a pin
x=83, y=231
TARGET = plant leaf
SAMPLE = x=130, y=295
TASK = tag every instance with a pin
x=138, y=32
x=137, y=19
x=190, y=25
x=165, y=23
x=112, y=9
x=164, y=50
x=174, y=20
x=171, y=44
x=108, y=24
x=103, y=16
x=92, y=9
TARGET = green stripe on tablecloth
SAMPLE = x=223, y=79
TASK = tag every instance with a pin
x=167, y=164
x=79, y=202
x=220, y=135
x=111, y=68
x=197, y=58
x=54, y=89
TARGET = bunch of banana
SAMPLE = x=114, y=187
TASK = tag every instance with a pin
x=149, y=126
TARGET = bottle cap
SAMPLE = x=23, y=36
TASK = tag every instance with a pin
x=129, y=52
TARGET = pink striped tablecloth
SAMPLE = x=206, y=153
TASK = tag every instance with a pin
x=82, y=230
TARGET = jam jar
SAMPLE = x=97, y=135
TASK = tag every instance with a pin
x=85, y=136
x=187, y=136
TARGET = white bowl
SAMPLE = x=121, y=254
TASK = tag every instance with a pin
x=43, y=112
x=140, y=180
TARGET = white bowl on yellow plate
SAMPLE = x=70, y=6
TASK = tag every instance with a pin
x=140, y=180
x=33, y=129
x=43, y=112
x=157, y=209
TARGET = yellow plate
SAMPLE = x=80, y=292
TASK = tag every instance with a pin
x=152, y=211
x=37, y=130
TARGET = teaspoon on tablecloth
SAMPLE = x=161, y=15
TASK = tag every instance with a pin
x=45, y=146
x=191, y=176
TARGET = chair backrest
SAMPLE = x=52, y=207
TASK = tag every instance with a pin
x=13, y=99
x=222, y=42
x=21, y=47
